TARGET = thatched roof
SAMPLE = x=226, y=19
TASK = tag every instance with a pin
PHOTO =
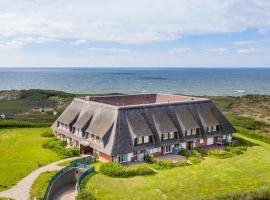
x=71, y=112
x=162, y=121
x=102, y=121
x=137, y=123
x=117, y=126
x=185, y=118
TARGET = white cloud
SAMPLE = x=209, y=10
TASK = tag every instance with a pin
x=247, y=51
x=217, y=50
x=179, y=51
x=125, y=21
x=245, y=42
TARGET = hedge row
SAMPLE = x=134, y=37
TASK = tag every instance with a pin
x=117, y=170
x=164, y=164
x=7, y=123
x=228, y=152
x=59, y=147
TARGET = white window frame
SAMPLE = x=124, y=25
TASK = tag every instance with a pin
x=188, y=132
x=146, y=139
x=214, y=128
x=165, y=136
x=140, y=140
x=171, y=135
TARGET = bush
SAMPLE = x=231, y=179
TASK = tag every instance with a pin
x=116, y=170
x=85, y=195
x=59, y=147
x=220, y=154
x=184, y=152
x=47, y=134
x=196, y=153
x=194, y=159
x=164, y=164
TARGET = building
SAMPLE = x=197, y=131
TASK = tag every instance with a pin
x=124, y=128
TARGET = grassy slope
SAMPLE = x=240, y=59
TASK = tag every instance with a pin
x=20, y=151
x=39, y=186
x=211, y=177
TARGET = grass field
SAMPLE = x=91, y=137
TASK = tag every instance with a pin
x=211, y=177
x=20, y=152
x=40, y=185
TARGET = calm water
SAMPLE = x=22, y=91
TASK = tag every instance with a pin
x=123, y=80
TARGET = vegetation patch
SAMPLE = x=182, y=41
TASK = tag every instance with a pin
x=39, y=186
x=254, y=134
x=164, y=164
x=59, y=147
x=117, y=170
x=8, y=123
x=47, y=133
x=85, y=195
x=21, y=153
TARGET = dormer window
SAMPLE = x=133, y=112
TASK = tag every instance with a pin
x=192, y=131
x=166, y=136
x=143, y=139
x=212, y=128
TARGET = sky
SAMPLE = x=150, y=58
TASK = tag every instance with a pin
x=140, y=33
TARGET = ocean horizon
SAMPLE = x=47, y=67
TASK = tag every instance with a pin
x=190, y=81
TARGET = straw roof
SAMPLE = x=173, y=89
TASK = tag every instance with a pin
x=118, y=126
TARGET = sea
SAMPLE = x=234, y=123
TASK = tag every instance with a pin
x=190, y=81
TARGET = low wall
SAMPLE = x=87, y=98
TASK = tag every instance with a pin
x=69, y=177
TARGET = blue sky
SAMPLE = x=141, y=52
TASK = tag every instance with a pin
x=123, y=33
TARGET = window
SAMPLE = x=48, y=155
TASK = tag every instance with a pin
x=165, y=136
x=188, y=132
x=171, y=135
x=146, y=139
x=168, y=149
x=214, y=128
x=140, y=140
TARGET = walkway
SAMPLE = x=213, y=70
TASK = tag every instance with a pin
x=66, y=193
x=21, y=191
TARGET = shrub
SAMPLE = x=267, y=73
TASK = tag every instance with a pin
x=220, y=154
x=194, y=159
x=85, y=195
x=184, y=152
x=164, y=164
x=116, y=170
x=196, y=153
x=59, y=147
x=47, y=134
x=203, y=152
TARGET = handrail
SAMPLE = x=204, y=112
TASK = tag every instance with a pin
x=82, y=176
x=79, y=163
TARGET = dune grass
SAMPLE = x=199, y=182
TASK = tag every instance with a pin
x=22, y=152
x=245, y=172
x=40, y=185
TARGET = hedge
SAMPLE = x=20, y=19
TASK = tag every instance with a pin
x=47, y=134
x=164, y=164
x=85, y=195
x=59, y=147
x=117, y=170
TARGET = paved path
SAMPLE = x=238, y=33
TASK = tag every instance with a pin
x=22, y=189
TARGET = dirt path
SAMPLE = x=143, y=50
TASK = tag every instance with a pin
x=21, y=191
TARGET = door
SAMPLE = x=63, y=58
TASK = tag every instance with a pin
x=190, y=145
x=141, y=156
x=168, y=149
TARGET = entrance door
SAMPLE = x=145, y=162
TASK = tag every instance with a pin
x=168, y=149
x=140, y=156
x=190, y=145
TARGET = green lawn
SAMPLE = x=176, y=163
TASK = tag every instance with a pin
x=20, y=152
x=211, y=177
x=40, y=185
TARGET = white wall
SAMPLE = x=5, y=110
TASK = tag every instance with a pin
x=210, y=141
x=183, y=145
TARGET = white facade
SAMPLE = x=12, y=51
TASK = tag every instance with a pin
x=210, y=141
x=183, y=145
